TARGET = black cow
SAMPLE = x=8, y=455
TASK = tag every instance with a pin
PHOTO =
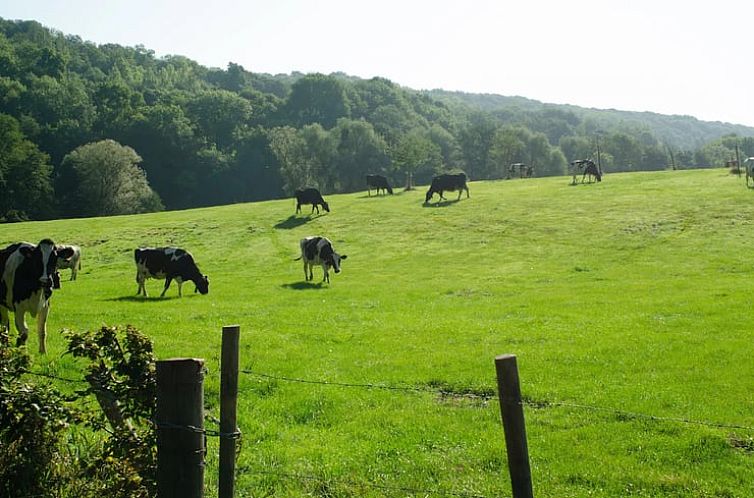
x=28, y=274
x=170, y=263
x=319, y=251
x=310, y=196
x=450, y=183
x=378, y=182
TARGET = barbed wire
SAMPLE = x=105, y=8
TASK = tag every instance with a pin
x=415, y=389
x=532, y=404
x=384, y=487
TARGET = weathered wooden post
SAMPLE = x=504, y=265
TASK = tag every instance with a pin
x=180, y=428
x=512, y=411
x=228, y=404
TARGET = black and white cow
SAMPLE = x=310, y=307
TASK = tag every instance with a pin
x=74, y=262
x=28, y=274
x=170, y=263
x=378, y=182
x=319, y=251
x=310, y=196
x=447, y=182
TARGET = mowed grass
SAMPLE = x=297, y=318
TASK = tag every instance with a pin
x=628, y=304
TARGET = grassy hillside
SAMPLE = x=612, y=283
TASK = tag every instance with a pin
x=632, y=296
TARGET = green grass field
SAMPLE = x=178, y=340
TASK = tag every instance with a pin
x=632, y=296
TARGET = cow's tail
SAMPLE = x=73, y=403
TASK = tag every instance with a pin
x=299, y=258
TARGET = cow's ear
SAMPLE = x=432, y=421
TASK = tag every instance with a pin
x=64, y=253
x=343, y=256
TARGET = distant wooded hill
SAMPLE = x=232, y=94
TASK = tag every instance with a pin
x=679, y=132
x=89, y=130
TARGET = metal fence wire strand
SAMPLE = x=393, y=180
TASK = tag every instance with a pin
x=413, y=389
x=532, y=404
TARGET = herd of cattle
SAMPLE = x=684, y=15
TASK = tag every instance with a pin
x=29, y=273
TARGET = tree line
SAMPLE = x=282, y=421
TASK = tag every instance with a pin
x=89, y=130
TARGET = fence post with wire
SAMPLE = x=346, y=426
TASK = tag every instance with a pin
x=228, y=408
x=179, y=419
x=512, y=412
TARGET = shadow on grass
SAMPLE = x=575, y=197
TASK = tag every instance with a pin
x=142, y=299
x=441, y=204
x=303, y=285
x=294, y=221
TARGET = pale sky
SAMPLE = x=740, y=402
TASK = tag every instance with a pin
x=667, y=56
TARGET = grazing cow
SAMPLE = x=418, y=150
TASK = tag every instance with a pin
x=319, y=251
x=749, y=167
x=74, y=262
x=378, y=182
x=592, y=170
x=310, y=196
x=589, y=168
x=445, y=182
x=28, y=274
x=170, y=263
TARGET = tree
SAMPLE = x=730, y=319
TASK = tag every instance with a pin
x=288, y=149
x=25, y=175
x=317, y=98
x=360, y=151
x=104, y=179
x=416, y=154
x=506, y=148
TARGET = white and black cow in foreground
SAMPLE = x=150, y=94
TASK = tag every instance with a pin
x=28, y=274
x=170, y=263
x=73, y=262
x=319, y=251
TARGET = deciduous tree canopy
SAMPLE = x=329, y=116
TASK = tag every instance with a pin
x=210, y=136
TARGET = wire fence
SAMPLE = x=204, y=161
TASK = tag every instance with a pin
x=484, y=395
x=487, y=397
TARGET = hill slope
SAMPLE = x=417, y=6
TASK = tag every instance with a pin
x=627, y=316
x=682, y=132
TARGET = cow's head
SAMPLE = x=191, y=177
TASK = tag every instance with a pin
x=334, y=261
x=202, y=285
x=325, y=206
x=45, y=259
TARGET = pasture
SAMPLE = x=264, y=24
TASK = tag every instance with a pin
x=628, y=304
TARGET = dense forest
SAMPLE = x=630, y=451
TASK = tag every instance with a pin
x=89, y=130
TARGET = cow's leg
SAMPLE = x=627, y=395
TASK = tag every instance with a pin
x=180, y=284
x=467, y=192
x=167, y=284
x=315, y=206
x=42, y=326
x=23, y=330
x=311, y=271
x=326, y=277
x=298, y=208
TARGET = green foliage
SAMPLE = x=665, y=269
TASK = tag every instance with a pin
x=39, y=426
x=122, y=370
x=32, y=421
x=103, y=178
x=25, y=174
x=206, y=135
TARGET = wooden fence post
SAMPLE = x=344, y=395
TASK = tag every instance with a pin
x=228, y=405
x=512, y=411
x=180, y=428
